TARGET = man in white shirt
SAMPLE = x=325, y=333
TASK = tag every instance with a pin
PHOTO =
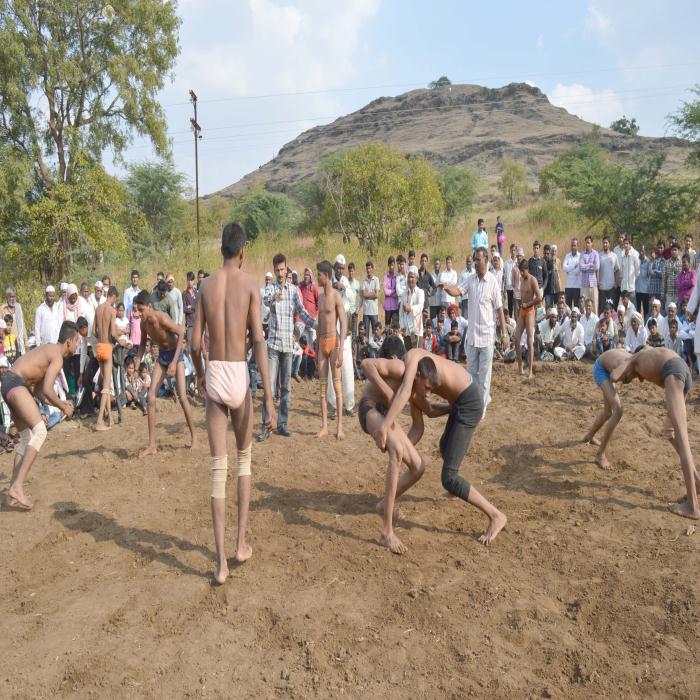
x=411, y=311
x=370, y=299
x=97, y=297
x=486, y=303
x=608, y=275
x=637, y=333
x=549, y=332
x=437, y=294
x=629, y=269
x=463, y=277
x=508, y=265
x=448, y=278
x=589, y=321
x=131, y=292
x=176, y=295
x=572, y=347
x=267, y=289
x=48, y=319
x=401, y=277
x=661, y=322
x=573, y=275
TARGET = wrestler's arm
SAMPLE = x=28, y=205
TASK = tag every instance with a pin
x=402, y=395
x=340, y=341
x=625, y=372
x=47, y=390
x=415, y=432
x=167, y=323
x=113, y=325
x=255, y=331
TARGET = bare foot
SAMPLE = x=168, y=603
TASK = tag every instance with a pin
x=243, y=553
x=393, y=543
x=521, y=372
x=531, y=375
x=323, y=433
x=683, y=509
x=591, y=441
x=496, y=524
x=193, y=443
x=221, y=574
x=100, y=427
x=340, y=435
x=150, y=450
x=396, y=515
x=445, y=496
x=602, y=462
x=684, y=498
x=16, y=499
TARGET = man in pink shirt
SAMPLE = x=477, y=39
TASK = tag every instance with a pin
x=391, y=298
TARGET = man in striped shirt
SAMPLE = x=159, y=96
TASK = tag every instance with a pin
x=672, y=269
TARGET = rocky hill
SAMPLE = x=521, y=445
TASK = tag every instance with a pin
x=460, y=124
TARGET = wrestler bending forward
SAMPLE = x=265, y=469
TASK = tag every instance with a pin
x=426, y=373
x=228, y=306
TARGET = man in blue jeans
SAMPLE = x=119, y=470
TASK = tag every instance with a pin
x=284, y=301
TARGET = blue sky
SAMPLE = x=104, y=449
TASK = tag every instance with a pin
x=242, y=58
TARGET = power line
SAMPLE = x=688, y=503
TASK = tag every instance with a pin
x=510, y=78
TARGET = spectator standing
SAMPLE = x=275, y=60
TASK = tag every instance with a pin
x=467, y=272
x=685, y=283
x=573, y=275
x=162, y=301
x=266, y=289
x=537, y=266
x=480, y=238
x=370, y=299
x=14, y=309
x=401, y=276
x=500, y=235
x=411, y=311
x=643, y=283
x=176, y=296
x=508, y=266
x=437, y=295
x=391, y=300
x=589, y=267
x=690, y=251
x=656, y=271
x=283, y=301
x=609, y=275
x=672, y=269
x=131, y=291
x=448, y=278
x=357, y=298
x=629, y=269
x=486, y=304
x=47, y=320
x=425, y=281
x=97, y=298
x=189, y=306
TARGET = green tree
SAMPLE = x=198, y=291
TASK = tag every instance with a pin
x=157, y=191
x=513, y=182
x=80, y=77
x=460, y=186
x=263, y=212
x=623, y=125
x=442, y=81
x=686, y=123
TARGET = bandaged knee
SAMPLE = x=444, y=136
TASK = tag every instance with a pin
x=24, y=437
x=38, y=435
x=243, y=459
x=323, y=388
x=219, y=472
x=338, y=386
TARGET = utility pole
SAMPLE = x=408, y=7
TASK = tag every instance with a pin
x=196, y=129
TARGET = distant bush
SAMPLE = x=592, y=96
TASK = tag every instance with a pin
x=262, y=212
x=554, y=214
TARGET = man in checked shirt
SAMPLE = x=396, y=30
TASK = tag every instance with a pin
x=284, y=301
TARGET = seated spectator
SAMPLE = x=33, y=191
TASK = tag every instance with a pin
x=144, y=386
x=510, y=321
x=636, y=335
x=307, y=369
x=150, y=354
x=589, y=321
x=441, y=316
x=375, y=341
x=429, y=338
x=123, y=330
x=440, y=336
x=454, y=342
x=131, y=384
x=550, y=335
x=661, y=322
x=572, y=346
x=563, y=313
x=603, y=340
x=685, y=333
x=628, y=308
x=654, y=339
x=360, y=350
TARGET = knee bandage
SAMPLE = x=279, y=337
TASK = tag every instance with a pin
x=219, y=472
x=38, y=435
x=243, y=461
x=24, y=437
x=338, y=386
x=323, y=389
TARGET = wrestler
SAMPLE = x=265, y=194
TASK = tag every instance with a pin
x=106, y=333
x=531, y=298
x=665, y=368
x=161, y=329
x=426, y=373
x=34, y=374
x=384, y=377
x=611, y=412
x=228, y=307
x=330, y=352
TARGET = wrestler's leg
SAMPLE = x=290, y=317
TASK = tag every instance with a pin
x=338, y=387
x=181, y=384
x=217, y=419
x=242, y=422
x=106, y=396
x=530, y=342
x=323, y=388
x=600, y=420
x=614, y=406
x=519, y=326
x=156, y=383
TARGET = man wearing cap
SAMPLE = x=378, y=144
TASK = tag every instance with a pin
x=589, y=321
x=131, y=292
x=661, y=322
x=97, y=298
x=411, y=310
x=549, y=333
x=572, y=341
x=47, y=319
x=347, y=372
x=176, y=297
x=63, y=289
x=14, y=309
x=485, y=304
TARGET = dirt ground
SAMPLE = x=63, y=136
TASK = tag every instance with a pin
x=591, y=591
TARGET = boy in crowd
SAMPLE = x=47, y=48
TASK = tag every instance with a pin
x=453, y=341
